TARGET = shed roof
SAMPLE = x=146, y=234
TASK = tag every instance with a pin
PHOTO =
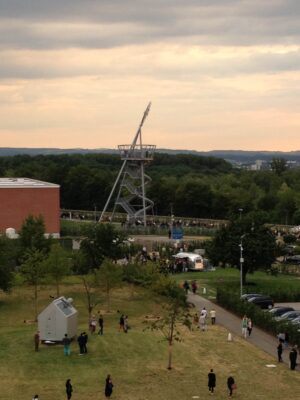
x=19, y=183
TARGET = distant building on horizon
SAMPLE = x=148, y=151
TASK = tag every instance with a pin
x=21, y=197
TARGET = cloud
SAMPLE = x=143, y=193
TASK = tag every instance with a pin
x=104, y=24
x=164, y=62
x=220, y=73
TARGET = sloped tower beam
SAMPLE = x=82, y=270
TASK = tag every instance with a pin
x=131, y=179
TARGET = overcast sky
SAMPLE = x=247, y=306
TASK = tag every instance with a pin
x=221, y=74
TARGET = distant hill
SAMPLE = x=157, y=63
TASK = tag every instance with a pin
x=237, y=156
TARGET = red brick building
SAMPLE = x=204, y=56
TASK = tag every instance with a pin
x=20, y=197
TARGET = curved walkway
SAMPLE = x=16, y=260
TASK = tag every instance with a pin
x=232, y=323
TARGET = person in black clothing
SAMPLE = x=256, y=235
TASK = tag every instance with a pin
x=230, y=385
x=69, y=389
x=279, y=350
x=81, y=341
x=121, y=327
x=186, y=286
x=85, y=340
x=108, y=386
x=293, y=358
x=101, y=322
x=211, y=381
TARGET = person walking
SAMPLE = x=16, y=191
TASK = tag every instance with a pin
x=66, y=342
x=211, y=381
x=249, y=326
x=101, y=323
x=81, y=341
x=93, y=324
x=121, y=323
x=126, y=324
x=212, y=314
x=108, y=386
x=202, y=323
x=69, y=389
x=279, y=350
x=37, y=340
x=194, y=287
x=286, y=340
x=231, y=385
x=85, y=340
x=244, y=326
x=35, y=397
x=186, y=287
x=204, y=312
x=293, y=358
x=195, y=320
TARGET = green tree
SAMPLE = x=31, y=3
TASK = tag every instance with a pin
x=93, y=297
x=176, y=314
x=57, y=265
x=109, y=276
x=194, y=198
x=34, y=270
x=7, y=262
x=32, y=234
x=286, y=204
x=103, y=241
x=278, y=165
x=258, y=243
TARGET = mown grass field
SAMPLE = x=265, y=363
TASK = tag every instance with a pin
x=137, y=360
x=257, y=282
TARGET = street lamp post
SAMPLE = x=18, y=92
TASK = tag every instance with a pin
x=241, y=211
x=241, y=263
x=95, y=212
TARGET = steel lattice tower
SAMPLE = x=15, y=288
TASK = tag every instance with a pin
x=132, y=180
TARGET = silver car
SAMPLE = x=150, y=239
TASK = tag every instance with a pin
x=288, y=316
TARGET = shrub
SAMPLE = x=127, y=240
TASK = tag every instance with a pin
x=231, y=301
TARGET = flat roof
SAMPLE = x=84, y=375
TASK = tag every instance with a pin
x=6, y=183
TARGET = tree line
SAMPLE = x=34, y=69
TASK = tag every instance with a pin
x=182, y=184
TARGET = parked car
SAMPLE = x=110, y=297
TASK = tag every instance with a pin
x=293, y=259
x=280, y=310
x=248, y=296
x=263, y=302
x=288, y=316
x=296, y=321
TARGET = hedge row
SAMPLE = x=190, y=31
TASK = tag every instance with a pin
x=280, y=290
x=263, y=319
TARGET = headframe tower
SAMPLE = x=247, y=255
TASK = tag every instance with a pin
x=131, y=180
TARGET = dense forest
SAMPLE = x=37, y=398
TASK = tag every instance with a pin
x=190, y=185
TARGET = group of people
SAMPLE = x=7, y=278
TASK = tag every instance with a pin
x=82, y=343
x=93, y=324
x=201, y=320
x=187, y=286
x=293, y=355
x=108, y=389
x=247, y=326
x=212, y=381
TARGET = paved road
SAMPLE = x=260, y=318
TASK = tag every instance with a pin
x=259, y=338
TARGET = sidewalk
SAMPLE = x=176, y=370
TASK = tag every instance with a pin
x=259, y=338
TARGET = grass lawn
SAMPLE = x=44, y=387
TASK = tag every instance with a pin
x=137, y=360
x=258, y=281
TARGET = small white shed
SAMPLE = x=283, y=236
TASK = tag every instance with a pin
x=57, y=319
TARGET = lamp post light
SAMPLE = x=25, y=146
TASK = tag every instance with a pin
x=95, y=212
x=241, y=211
x=241, y=263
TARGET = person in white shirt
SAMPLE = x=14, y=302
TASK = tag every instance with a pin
x=213, y=316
